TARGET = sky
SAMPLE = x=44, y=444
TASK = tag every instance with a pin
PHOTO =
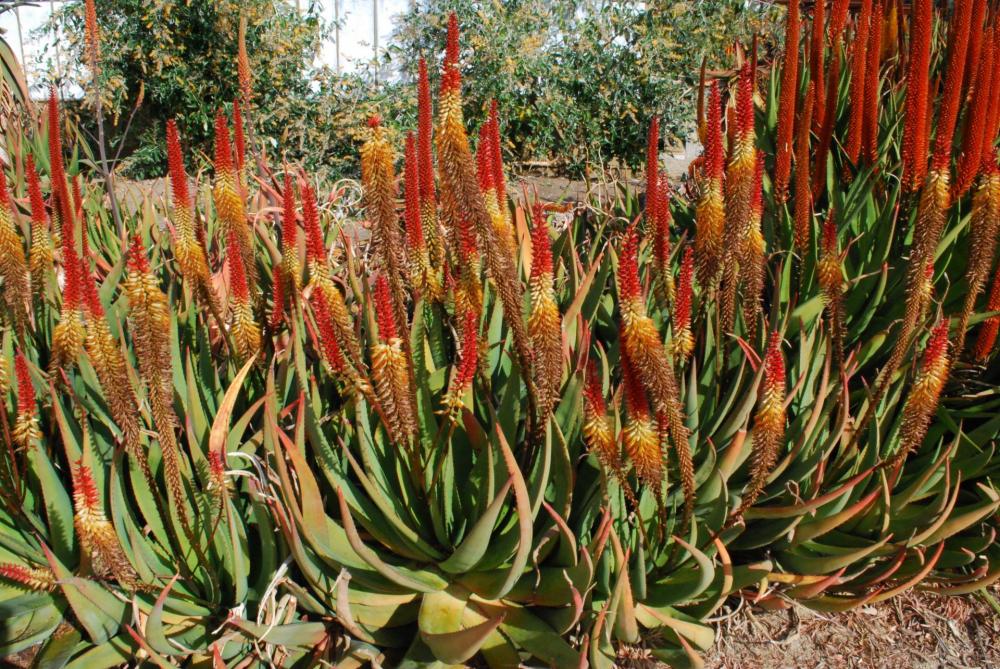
x=356, y=34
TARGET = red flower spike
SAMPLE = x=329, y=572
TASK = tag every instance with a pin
x=937, y=345
x=223, y=149
x=715, y=159
x=237, y=272
x=682, y=306
x=816, y=60
x=414, y=229
x=239, y=141
x=72, y=269
x=374, y=121
x=451, y=48
x=57, y=168
x=35, y=192
x=497, y=155
x=993, y=122
x=467, y=238
x=958, y=44
x=25, y=389
x=137, y=261
x=628, y=269
x=289, y=227
x=425, y=130
x=977, y=34
x=873, y=93
x=4, y=192
x=975, y=129
x=662, y=221
x=652, y=169
x=830, y=235
x=470, y=354
x=838, y=19
x=774, y=364
x=451, y=78
x=175, y=163
x=636, y=401
x=787, y=101
x=859, y=61
x=86, y=487
x=384, y=310
x=278, y=302
x=541, y=249
x=915, y=123
x=744, y=103
x=987, y=337
x=484, y=159
x=327, y=335
x=315, y=247
x=91, y=298
x=592, y=390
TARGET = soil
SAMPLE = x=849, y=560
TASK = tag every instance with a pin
x=915, y=630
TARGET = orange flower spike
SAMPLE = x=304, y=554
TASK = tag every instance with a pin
x=468, y=361
x=41, y=251
x=414, y=228
x=652, y=169
x=710, y=207
x=984, y=226
x=496, y=158
x=922, y=401
x=816, y=61
x=803, y=189
x=739, y=197
x=914, y=151
x=26, y=426
x=873, y=92
x=13, y=263
x=70, y=332
x=187, y=247
x=952, y=98
x=290, y=267
x=642, y=443
x=488, y=186
x=425, y=131
x=425, y=166
x=753, y=260
x=598, y=431
x=993, y=119
x=786, y=103
x=277, y=303
x=239, y=140
x=327, y=334
x=99, y=546
x=32, y=578
x=986, y=340
x=244, y=328
x=769, y=423
x=859, y=61
x=92, y=35
x=838, y=19
x=978, y=34
x=389, y=368
x=975, y=139
x=544, y=320
x=662, y=220
x=227, y=193
x=57, y=168
x=683, y=340
x=387, y=329
x=315, y=245
x=424, y=278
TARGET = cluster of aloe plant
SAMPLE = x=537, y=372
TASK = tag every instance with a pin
x=451, y=433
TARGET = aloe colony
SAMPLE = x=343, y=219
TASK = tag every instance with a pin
x=472, y=438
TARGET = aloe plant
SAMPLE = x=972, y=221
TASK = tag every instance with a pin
x=467, y=435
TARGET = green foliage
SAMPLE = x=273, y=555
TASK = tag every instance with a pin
x=577, y=81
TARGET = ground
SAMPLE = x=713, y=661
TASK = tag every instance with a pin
x=914, y=630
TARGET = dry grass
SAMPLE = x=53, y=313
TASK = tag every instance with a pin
x=915, y=630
